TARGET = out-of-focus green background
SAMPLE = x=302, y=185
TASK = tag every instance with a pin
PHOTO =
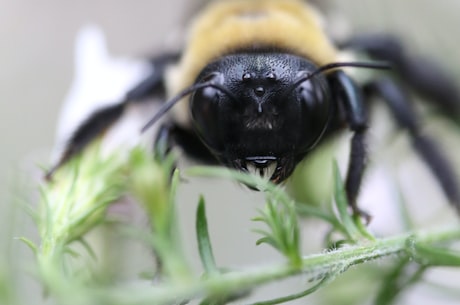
x=36, y=65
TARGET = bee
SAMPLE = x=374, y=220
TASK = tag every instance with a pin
x=259, y=84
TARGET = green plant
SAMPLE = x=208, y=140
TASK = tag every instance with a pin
x=77, y=199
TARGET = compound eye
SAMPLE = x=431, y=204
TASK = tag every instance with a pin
x=215, y=77
x=205, y=110
x=211, y=93
x=309, y=94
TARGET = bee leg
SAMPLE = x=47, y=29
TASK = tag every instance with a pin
x=91, y=128
x=399, y=104
x=170, y=135
x=350, y=95
x=101, y=120
x=153, y=84
x=421, y=73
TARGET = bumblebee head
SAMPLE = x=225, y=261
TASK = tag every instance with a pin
x=264, y=112
x=261, y=112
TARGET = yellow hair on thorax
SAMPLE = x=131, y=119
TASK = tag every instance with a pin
x=227, y=26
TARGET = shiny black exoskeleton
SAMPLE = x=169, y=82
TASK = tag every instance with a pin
x=266, y=124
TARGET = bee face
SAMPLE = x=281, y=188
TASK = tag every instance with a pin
x=264, y=122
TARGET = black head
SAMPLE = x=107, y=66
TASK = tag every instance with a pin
x=267, y=118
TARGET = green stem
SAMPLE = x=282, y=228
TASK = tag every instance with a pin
x=228, y=283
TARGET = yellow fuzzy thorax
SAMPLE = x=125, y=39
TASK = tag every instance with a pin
x=234, y=25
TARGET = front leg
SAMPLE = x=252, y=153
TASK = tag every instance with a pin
x=170, y=135
x=349, y=95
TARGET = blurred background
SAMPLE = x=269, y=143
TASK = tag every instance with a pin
x=37, y=57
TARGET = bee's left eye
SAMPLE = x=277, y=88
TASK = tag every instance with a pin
x=207, y=108
x=305, y=93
